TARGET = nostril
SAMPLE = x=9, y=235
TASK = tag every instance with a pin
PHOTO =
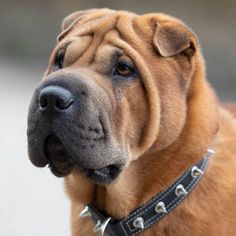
x=43, y=102
x=54, y=98
x=63, y=104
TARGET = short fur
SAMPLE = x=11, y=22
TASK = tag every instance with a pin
x=167, y=121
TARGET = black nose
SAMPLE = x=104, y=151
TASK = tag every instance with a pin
x=55, y=98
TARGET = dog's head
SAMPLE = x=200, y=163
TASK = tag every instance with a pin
x=116, y=87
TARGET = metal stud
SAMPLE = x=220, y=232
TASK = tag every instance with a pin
x=210, y=152
x=160, y=207
x=195, y=172
x=97, y=227
x=180, y=190
x=139, y=223
x=85, y=212
x=101, y=227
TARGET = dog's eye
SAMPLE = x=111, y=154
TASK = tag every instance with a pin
x=124, y=70
x=59, y=59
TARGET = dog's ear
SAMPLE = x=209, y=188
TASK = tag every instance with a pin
x=173, y=39
x=69, y=21
x=72, y=19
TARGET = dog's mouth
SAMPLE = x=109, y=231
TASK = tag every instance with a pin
x=61, y=163
x=103, y=175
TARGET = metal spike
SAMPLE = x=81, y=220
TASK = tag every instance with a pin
x=139, y=223
x=180, y=190
x=160, y=207
x=103, y=226
x=85, y=212
x=210, y=152
x=97, y=227
x=195, y=172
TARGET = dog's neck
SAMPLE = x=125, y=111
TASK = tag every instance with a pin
x=152, y=173
x=144, y=179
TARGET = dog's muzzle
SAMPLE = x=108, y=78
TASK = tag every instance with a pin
x=68, y=127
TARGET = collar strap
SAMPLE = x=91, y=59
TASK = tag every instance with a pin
x=152, y=211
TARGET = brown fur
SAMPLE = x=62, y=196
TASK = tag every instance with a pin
x=171, y=123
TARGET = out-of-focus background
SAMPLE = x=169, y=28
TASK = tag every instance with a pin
x=32, y=201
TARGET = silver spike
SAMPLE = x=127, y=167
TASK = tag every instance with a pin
x=85, y=212
x=101, y=227
x=97, y=227
x=139, y=223
x=210, y=152
x=160, y=207
x=195, y=172
x=180, y=190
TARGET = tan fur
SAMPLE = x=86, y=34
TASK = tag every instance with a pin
x=231, y=108
x=168, y=121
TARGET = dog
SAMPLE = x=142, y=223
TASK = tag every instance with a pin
x=123, y=110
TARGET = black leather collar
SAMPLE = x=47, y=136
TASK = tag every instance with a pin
x=152, y=211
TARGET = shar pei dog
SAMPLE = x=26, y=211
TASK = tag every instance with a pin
x=126, y=115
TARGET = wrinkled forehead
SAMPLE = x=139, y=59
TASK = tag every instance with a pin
x=132, y=28
x=93, y=30
x=98, y=23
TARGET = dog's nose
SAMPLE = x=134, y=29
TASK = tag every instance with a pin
x=55, y=98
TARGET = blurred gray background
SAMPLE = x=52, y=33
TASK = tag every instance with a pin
x=32, y=201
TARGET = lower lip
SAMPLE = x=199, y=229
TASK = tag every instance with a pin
x=103, y=176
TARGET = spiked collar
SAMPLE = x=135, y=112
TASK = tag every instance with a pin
x=152, y=211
